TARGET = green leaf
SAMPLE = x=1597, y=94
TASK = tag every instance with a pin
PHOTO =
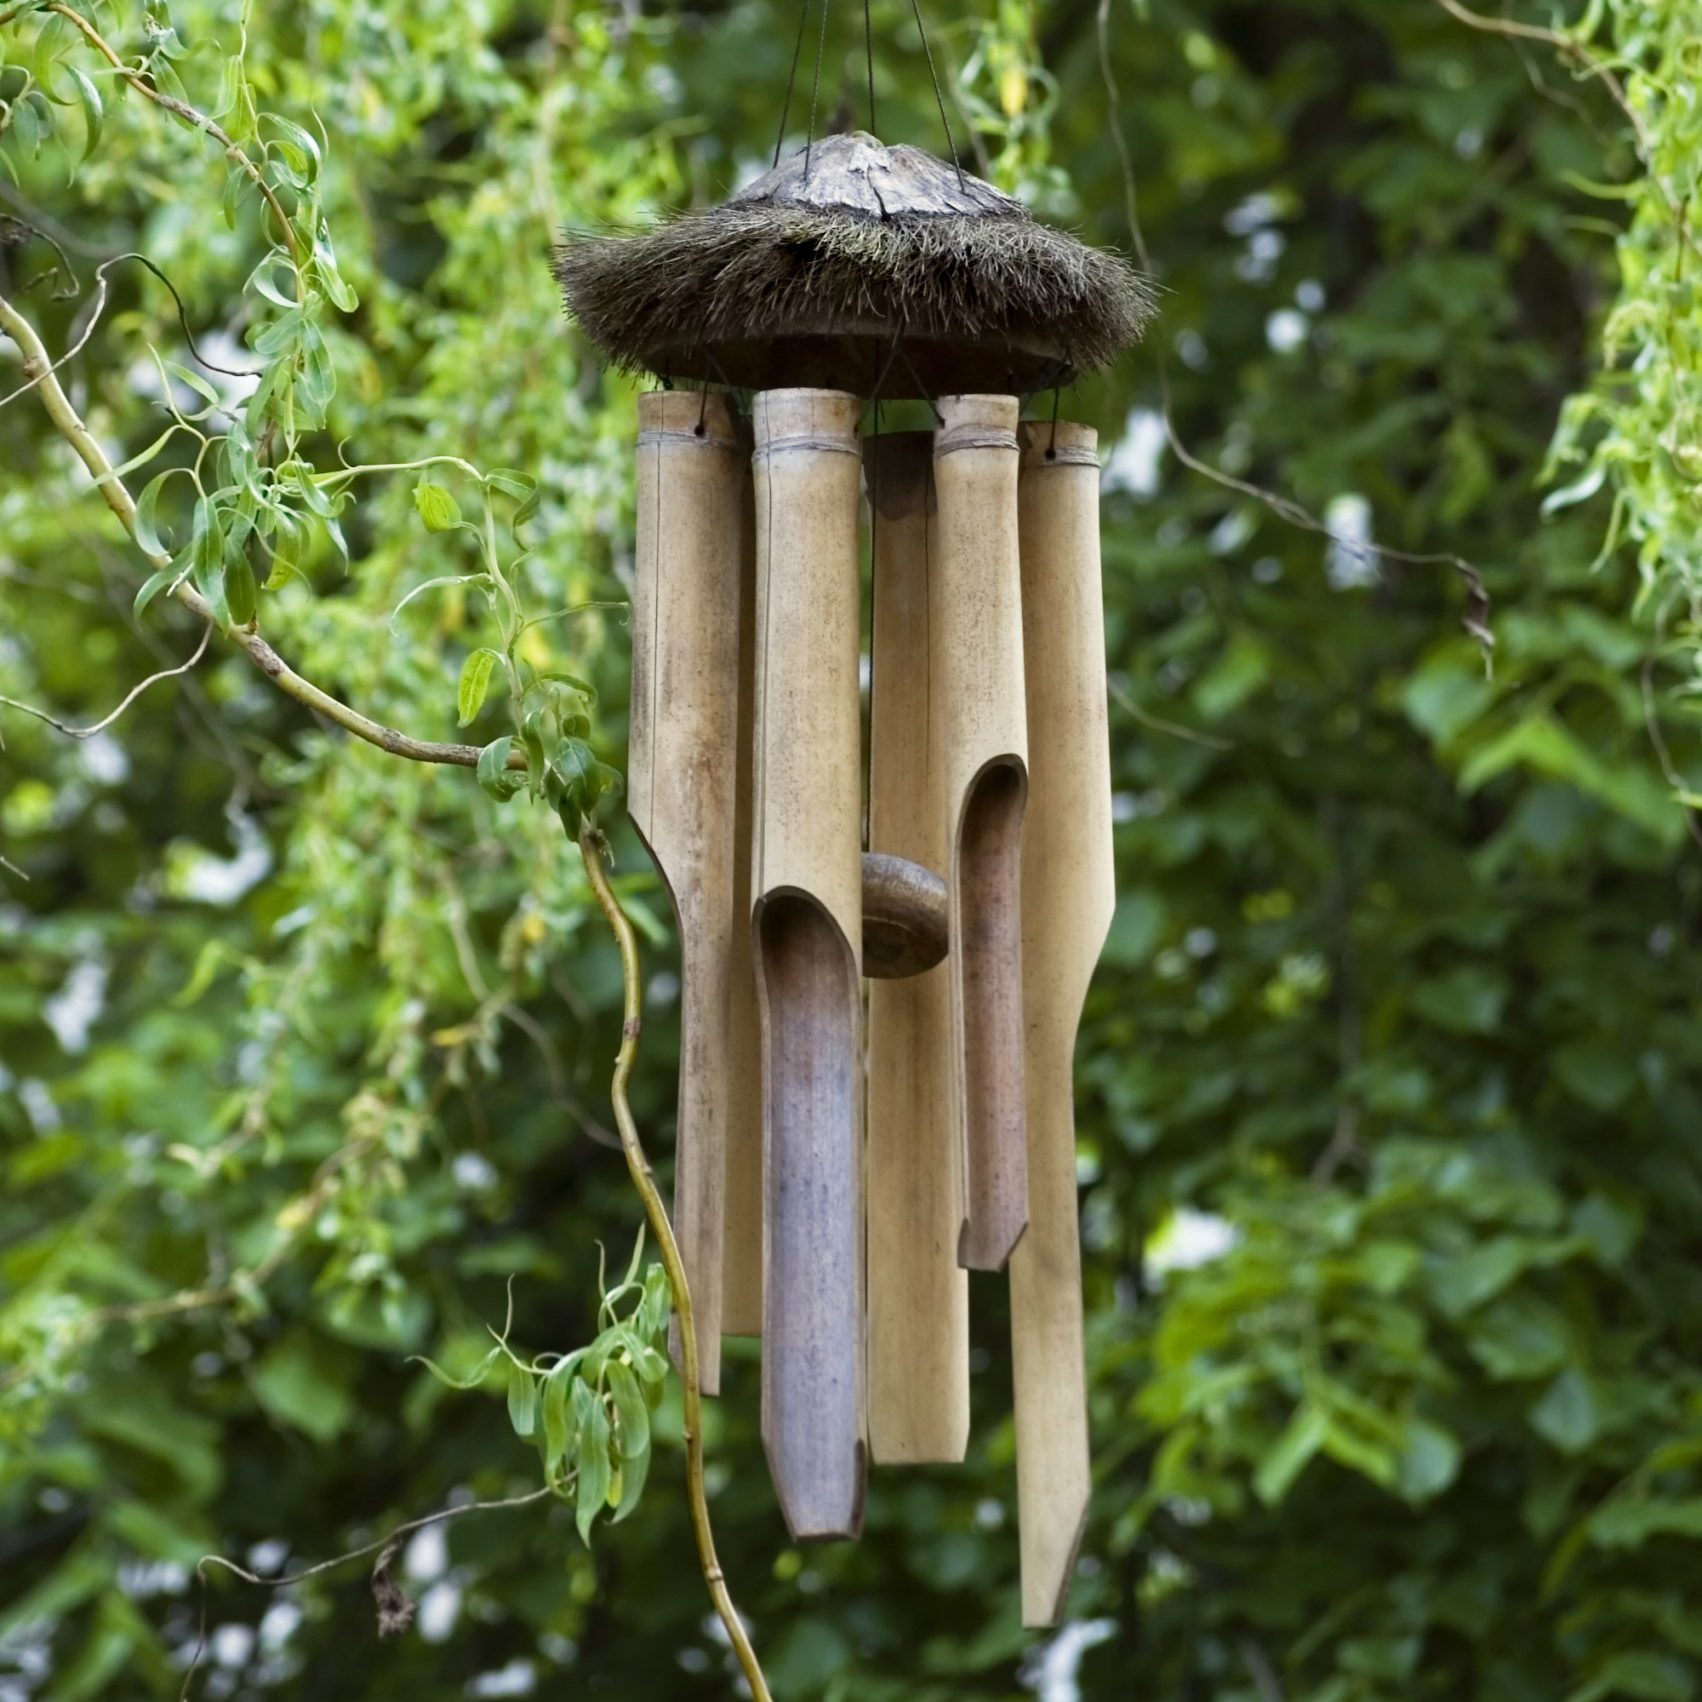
x=239, y=589
x=147, y=504
x=1629, y=1522
x=592, y=1458
x=630, y=1409
x=325, y=264
x=475, y=682
x=493, y=772
x=513, y=482
x=438, y=509
x=1429, y=1463
x=1303, y=1437
x=302, y=1381
x=522, y=1401
x=1568, y=1414
x=557, y=1434
x=635, y=1469
x=300, y=151
x=195, y=382
x=89, y=95
x=1643, y=1674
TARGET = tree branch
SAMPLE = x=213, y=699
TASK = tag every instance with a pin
x=196, y=121
x=38, y=369
x=383, y=1546
x=591, y=848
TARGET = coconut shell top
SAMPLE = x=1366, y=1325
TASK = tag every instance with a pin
x=858, y=267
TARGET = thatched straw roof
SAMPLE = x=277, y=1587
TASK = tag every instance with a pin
x=819, y=271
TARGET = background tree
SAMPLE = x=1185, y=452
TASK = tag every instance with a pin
x=1390, y=1077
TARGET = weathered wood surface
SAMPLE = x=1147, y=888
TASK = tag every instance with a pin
x=975, y=612
x=1068, y=894
x=906, y=928
x=857, y=173
x=807, y=890
x=691, y=574
x=918, y=1296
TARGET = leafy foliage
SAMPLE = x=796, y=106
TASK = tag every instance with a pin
x=1388, y=1082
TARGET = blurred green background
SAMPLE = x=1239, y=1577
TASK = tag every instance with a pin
x=1390, y=1084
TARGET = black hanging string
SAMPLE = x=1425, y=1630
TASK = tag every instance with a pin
x=869, y=54
x=792, y=75
x=1052, y=447
x=921, y=388
x=815, y=91
x=939, y=99
x=880, y=377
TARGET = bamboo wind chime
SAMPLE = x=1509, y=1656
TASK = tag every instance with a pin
x=840, y=1166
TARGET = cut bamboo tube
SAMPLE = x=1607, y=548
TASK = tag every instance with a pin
x=690, y=572
x=918, y=1296
x=807, y=921
x=1068, y=893
x=741, y=1257
x=975, y=609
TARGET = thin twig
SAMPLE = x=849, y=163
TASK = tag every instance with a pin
x=591, y=848
x=1475, y=619
x=442, y=1516
x=1569, y=47
x=130, y=697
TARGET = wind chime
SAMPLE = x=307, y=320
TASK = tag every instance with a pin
x=841, y=1165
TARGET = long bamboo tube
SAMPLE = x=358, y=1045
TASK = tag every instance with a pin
x=691, y=574
x=741, y=1259
x=1068, y=893
x=975, y=606
x=918, y=1296
x=807, y=920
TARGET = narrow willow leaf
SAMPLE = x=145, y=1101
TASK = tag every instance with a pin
x=93, y=112
x=556, y=1429
x=156, y=583
x=633, y=1473
x=512, y=481
x=630, y=1409
x=593, y=1460
x=239, y=589
x=522, y=1401
x=300, y=151
x=147, y=529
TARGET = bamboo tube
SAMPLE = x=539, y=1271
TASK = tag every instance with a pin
x=1068, y=893
x=741, y=1257
x=690, y=573
x=975, y=606
x=807, y=921
x=918, y=1297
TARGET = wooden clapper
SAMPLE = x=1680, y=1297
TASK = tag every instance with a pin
x=878, y=1012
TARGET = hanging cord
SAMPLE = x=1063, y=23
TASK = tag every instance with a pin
x=1052, y=446
x=792, y=76
x=869, y=55
x=939, y=99
x=880, y=377
x=921, y=388
x=815, y=91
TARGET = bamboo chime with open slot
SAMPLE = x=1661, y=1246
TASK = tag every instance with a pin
x=838, y=1172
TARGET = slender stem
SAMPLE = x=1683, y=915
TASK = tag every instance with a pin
x=37, y=367
x=591, y=849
